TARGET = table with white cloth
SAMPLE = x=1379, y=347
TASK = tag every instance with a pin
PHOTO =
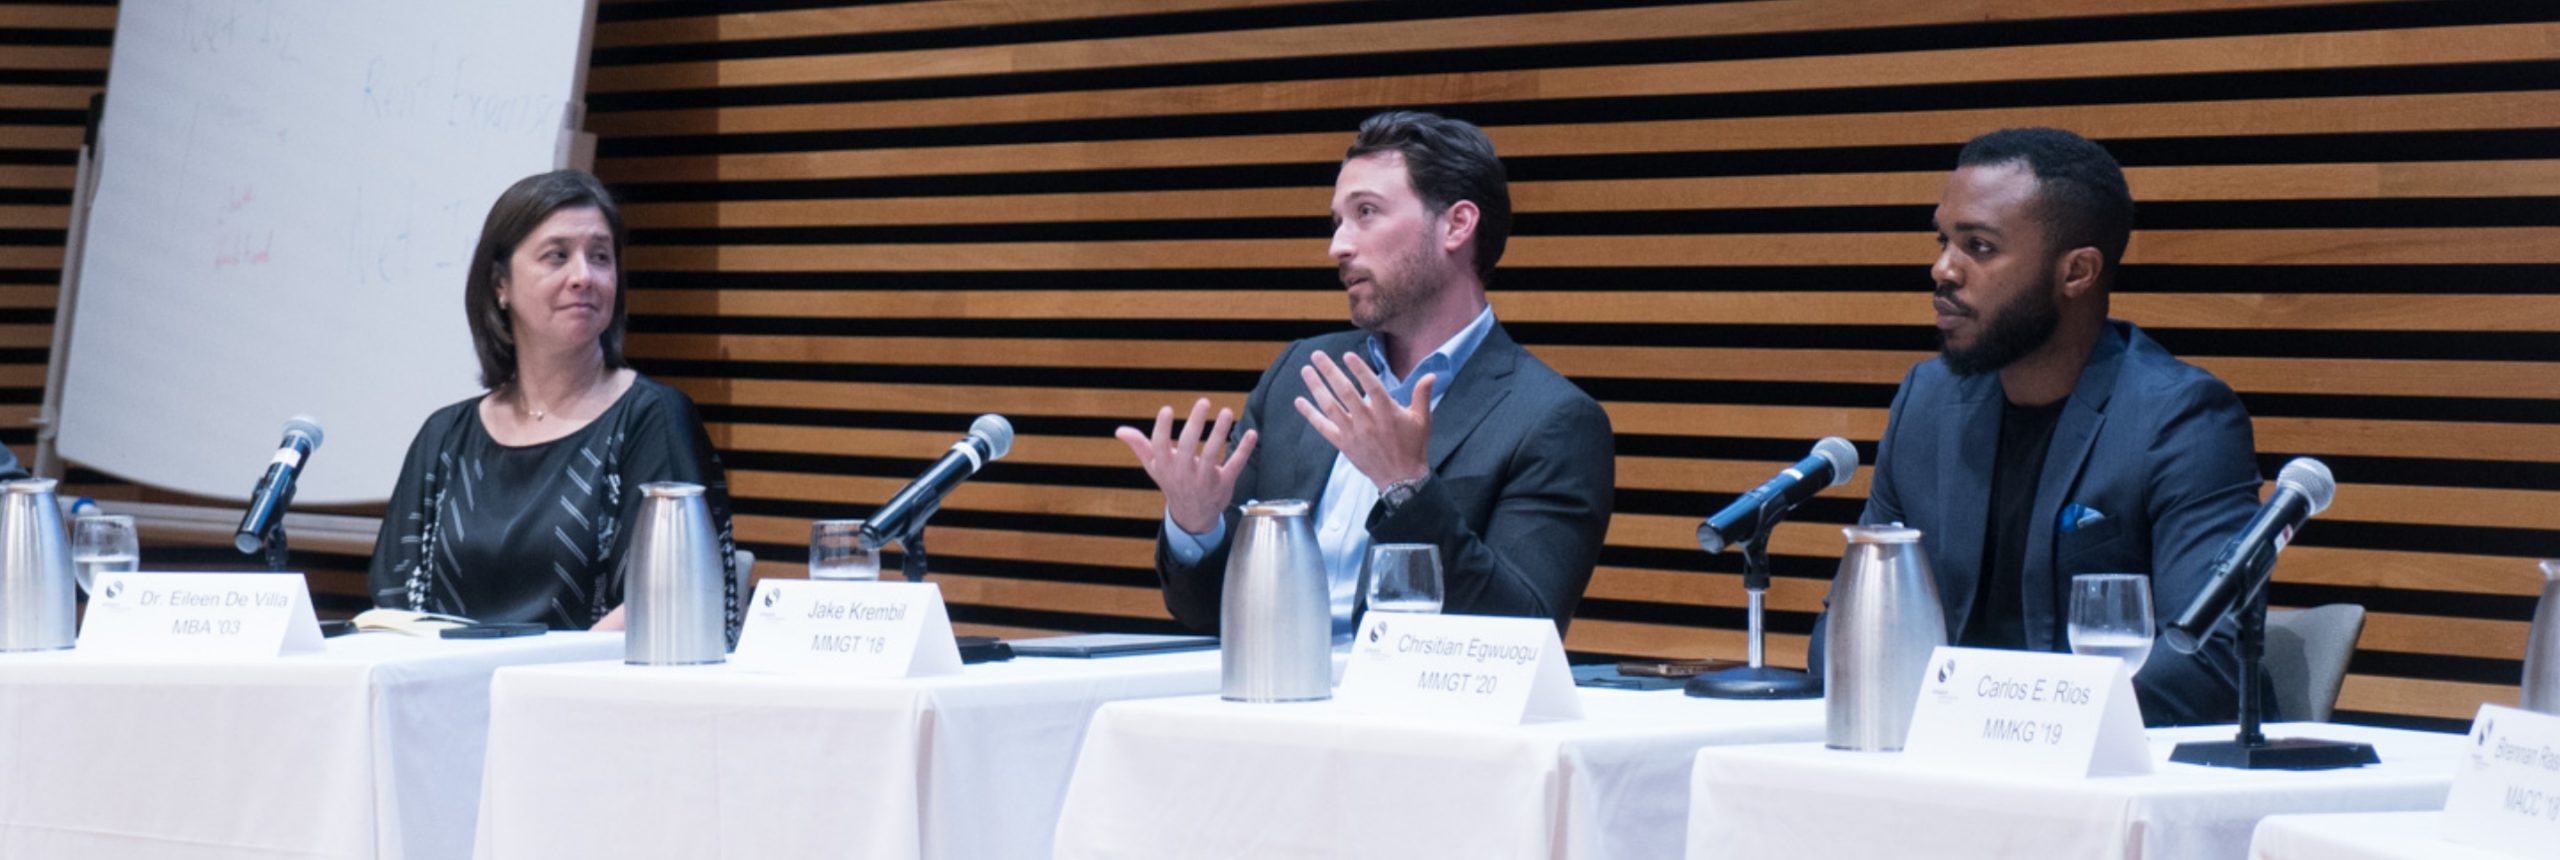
x=1200, y=777
x=608, y=760
x=1801, y=800
x=2363, y=836
x=369, y=748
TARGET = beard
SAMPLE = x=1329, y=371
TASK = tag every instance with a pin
x=2019, y=328
x=1399, y=294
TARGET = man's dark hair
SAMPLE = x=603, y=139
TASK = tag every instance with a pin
x=2080, y=188
x=519, y=209
x=1450, y=160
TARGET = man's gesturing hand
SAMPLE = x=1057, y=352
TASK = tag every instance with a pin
x=1385, y=441
x=1197, y=474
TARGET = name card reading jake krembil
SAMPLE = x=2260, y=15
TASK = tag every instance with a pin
x=2506, y=794
x=2028, y=712
x=200, y=615
x=1460, y=667
x=860, y=629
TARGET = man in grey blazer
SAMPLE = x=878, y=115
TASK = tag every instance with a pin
x=2047, y=440
x=1427, y=424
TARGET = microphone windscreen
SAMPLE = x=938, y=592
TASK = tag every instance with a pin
x=305, y=425
x=998, y=433
x=1842, y=455
x=2311, y=478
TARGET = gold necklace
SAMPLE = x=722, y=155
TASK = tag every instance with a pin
x=524, y=400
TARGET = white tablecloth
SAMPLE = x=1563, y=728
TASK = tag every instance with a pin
x=1805, y=801
x=606, y=760
x=1199, y=777
x=368, y=749
x=2363, y=836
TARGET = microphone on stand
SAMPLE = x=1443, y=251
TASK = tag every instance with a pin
x=2303, y=489
x=2238, y=584
x=1746, y=523
x=902, y=518
x=274, y=492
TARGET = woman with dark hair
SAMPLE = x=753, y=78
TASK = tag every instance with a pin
x=517, y=505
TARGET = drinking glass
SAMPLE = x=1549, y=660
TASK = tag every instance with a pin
x=103, y=543
x=1404, y=577
x=836, y=551
x=2111, y=617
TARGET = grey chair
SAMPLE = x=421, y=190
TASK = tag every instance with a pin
x=2307, y=654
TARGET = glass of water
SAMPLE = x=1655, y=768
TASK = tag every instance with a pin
x=1404, y=577
x=103, y=543
x=836, y=551
x=2111, y=617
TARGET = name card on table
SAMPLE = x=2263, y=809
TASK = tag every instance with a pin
x=858, y=629
x=2028, y=712
x=2506, y=792
x=1473, y=668
x=200, y=615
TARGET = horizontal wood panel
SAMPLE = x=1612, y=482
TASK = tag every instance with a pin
x=1553, y=28
x=2381, y=312
x=2411, y=378
x=46, y=97
x=895, y=18
x=2355, y=49
x=2449, y=700
x=35, y=217
x=2342, y=115
x=57, y=16
x=39, y=137
x=35, y=176
x=2376, y=246
x=2245, y=182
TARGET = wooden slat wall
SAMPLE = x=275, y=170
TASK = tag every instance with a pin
x=856, y=226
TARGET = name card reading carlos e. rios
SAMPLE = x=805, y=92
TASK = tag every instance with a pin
x=2506, y=792
x=1463, y=667
x=863, y=629
x=2029, y=712
x=200, y=615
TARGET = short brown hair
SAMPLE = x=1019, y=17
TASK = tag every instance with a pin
x=1448, y=160
x=522, y=207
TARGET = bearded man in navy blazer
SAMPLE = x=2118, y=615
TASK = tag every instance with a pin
x=2047, y=440
x=1427, y=424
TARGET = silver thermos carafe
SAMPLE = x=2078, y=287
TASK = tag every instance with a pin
x=1275, y=622
x=37, y=592
x=2542, y=646
x=675, y=611
x=1885, y=621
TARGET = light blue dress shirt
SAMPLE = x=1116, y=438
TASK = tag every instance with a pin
x=1342, y=515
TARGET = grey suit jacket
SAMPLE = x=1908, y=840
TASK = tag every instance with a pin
x=2159, y=449
x=1523, y=465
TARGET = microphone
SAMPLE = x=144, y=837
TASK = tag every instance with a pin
x=2303, y=489
x=1832, y=462
x=275, y=489
x=990, y=438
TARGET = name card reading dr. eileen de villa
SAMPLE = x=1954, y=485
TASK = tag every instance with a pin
x=856, y=629
x=200, y=616
x=1473, y=668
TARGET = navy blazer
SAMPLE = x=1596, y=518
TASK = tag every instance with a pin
x=1523, y=465
x=2158, y=449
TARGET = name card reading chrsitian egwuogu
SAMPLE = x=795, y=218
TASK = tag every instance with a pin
x=199, y=615
x=1474, y=668
x=852, y=628
x=2028, y=712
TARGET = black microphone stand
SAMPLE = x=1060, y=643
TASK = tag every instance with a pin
x=2250, y=749
x=911, y=556
x=1757, y=680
